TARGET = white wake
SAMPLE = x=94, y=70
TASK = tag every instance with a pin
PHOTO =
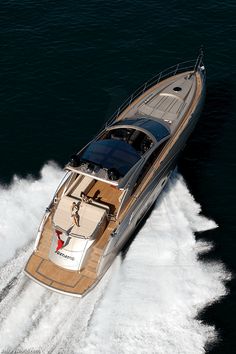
x=147, y=303
x=21, y=206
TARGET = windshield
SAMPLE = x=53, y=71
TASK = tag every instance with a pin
x=110, y=154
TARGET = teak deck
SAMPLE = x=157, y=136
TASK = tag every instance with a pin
x=106, y=194
x=41, y=269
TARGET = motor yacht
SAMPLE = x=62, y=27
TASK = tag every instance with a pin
x=114, y=180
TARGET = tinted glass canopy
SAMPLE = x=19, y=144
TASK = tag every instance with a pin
x=110, y=153
x=158, y=130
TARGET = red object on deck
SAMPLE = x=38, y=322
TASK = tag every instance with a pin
x=60, y=242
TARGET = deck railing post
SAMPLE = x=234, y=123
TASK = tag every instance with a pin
x=118, y=112
x=176, y=70
x=144, y=88
x=131, y=98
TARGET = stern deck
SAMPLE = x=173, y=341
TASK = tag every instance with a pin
x=57, y=278
x=54, y=277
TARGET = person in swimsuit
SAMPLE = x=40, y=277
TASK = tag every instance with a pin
x=75, y=213
x=85, y=199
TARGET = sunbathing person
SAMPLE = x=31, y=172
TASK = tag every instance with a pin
x=85, y=199
x=75, y=213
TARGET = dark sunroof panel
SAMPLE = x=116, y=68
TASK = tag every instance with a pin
x=112, y=154
x=158, y=130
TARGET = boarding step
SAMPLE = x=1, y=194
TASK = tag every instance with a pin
x=94, y=257
x=91, y=268
x=97, y=250
x=93, y=263
x=89, y=274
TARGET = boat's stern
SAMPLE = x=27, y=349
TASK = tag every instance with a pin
x=64, y=262
x=53, y=277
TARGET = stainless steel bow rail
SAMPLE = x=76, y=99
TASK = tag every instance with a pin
x=190, y=65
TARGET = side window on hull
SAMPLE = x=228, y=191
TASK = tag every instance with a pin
x=148, y=164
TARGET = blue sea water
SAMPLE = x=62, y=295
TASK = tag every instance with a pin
x=65, y=66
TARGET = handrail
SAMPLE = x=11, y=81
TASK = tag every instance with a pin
x=188, y=65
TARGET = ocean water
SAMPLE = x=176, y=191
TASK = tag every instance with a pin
x=65, y=67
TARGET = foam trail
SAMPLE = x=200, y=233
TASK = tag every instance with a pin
x=151, y=302
x=161, y=286
x=21, y=207
x=19, y=319
x=64, y=317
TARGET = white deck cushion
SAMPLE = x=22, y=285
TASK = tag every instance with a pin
x=83, y=185
x=90, y=216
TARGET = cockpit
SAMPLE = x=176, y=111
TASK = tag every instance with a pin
x=140, y=141
x=119, y=148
